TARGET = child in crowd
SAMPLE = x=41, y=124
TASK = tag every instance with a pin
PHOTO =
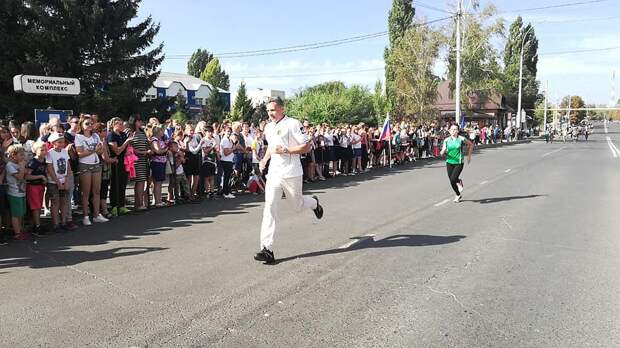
x=159, y=150
x=16, y=193
x=182, y=191
x=256, y=184
x=58, y=170
x=35, y=189
x=209, y=160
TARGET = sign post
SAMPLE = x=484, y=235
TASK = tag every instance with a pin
x=30, y=84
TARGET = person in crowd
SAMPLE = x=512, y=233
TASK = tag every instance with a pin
x=182, y=192
x=58, y=172
x=209, y=160
x=356, y=145
x=227, y=157
x=36, y=179
x=159, y=151
x=16, y=192
x=319, y=154
x=106, y=169
x=118, y=141
x=191, y=146
x=89, y=147
x=27, y=138
x=142, y=147
x=256, y=184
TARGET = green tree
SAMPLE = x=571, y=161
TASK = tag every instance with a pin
x=214, y=75
x=99, y=42
x=242, y=109
x=180, y=117
x=399, y=20
x=539, y=112
x=576, y=102
x=480, y=69
x=334, y=103
x=260, y=114
x=214, y=109
x=520, y=34
x=413, y=59
x=198, y=62
x=379, y=103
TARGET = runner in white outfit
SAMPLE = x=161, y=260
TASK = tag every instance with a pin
x=286, y=141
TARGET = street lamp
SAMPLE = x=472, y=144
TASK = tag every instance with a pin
x=521, y=80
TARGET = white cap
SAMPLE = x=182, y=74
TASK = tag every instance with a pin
x=55, y=136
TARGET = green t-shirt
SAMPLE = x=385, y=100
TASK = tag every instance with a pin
x=454, y=150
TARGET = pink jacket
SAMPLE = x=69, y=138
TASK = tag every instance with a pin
x=130, y=159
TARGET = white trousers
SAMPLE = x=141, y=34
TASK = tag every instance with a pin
x=292, y=188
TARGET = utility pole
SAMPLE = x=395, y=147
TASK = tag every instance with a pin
x=458, y=63
x=545, y=118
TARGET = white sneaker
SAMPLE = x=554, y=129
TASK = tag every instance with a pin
x=86, y=221
x=47, y=213
x=457, y=198
x=100, y=218
x=460, y=185
x=229, y=196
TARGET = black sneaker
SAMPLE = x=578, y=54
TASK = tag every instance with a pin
x=39, y=231
x=318, y=212
x=265, y=256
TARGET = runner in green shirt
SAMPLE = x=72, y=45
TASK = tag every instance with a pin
x=453, y=147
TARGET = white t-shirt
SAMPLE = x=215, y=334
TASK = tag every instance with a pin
x=356, y=137
x=226, y=144
x=206, y=143
x=89, y=144
x=60, y=161
x=288, y=133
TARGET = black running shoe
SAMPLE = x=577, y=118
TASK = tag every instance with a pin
x=318, y=212
x=265, y=256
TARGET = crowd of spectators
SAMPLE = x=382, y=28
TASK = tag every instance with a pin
x=82, y=169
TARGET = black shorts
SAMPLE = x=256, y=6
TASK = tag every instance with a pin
x=192, y=164
x=207, y=169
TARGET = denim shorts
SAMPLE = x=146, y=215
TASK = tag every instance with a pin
x=89, y=168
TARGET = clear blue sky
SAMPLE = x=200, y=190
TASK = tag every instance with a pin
x=228, y=26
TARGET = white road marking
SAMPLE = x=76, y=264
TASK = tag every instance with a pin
x=507, y=170
x=614, y=150
x=605, y=126
x=552, y=152
x=357, y=240
x=442, y=202
x=484, y=182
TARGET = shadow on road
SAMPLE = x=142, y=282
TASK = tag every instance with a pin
x=63, y=258
x=501, y=199
x=399, y=240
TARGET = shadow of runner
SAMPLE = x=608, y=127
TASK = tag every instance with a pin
x=399, y=240
x=63, y=258
x=500, y=199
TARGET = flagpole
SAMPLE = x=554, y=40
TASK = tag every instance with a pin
x=389, y=141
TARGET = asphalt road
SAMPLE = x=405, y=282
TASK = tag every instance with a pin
x=529, y=258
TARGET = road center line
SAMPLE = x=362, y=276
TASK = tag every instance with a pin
x=552, y=152
x=484, y=182
x=507, y=170
x=357, y=240
x=442, y=202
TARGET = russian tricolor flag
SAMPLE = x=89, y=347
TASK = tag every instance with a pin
x=386, y=132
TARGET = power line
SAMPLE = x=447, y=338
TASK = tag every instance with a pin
x=311, y=74
x=429, y=7
x=580, y=51
x=304, y=47
x=570, y=4
x=576, y=20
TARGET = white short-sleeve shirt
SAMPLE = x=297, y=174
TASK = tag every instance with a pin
x=226, y=144
x=288, y=132
x=89, y=144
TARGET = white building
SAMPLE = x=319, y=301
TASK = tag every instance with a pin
x=259, y=96
x=195, y=90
